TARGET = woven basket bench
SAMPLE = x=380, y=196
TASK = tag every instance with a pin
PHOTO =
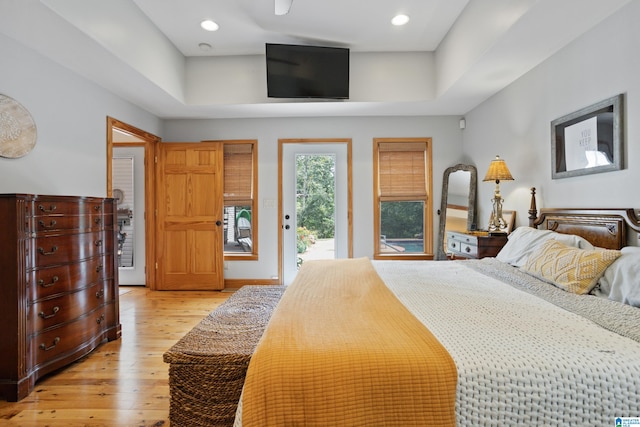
x=208, y=365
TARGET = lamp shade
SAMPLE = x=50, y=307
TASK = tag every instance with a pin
x=498, y=171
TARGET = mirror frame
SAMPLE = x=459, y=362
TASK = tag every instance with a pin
x=473, y=183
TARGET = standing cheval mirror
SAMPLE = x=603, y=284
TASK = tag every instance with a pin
x=458, y=206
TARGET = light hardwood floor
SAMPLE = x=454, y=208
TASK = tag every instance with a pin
x=123, y=382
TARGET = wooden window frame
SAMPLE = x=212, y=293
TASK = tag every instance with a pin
x=410, y=193
x=243, y=200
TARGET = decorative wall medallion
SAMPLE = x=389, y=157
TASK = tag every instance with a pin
x=17, y=129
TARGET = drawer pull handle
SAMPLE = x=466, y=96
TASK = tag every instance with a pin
x=100, y=319
x=100, y=293
x=97, y=220
x=453, y=245
x=56, y=309
x=53, y=281
x=97, y=207
x=54, y=249
x=51, y=208
x=44, y=347
x=51, y=224
x=99, y=268
x=98, y=243
x=468, y=249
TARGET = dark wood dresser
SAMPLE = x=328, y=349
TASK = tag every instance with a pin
x=59, y=291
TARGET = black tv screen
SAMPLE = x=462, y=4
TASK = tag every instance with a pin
x=295, y=71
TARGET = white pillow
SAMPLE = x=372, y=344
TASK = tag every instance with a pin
x=621, y=280
x=524, y=240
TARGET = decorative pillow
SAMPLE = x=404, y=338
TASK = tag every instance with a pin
x=572, y=269
x=621, y=281
x=524, y=240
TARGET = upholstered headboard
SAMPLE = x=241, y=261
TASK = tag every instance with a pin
x=605, y=228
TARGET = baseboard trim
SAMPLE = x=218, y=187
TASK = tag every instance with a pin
x=238, y=283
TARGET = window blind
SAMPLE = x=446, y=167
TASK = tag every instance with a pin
x=402, y=170
x=238, y=179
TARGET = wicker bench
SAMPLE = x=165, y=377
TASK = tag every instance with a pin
x=208, y=365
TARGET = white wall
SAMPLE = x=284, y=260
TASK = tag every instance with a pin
x=447, y=140
x=70, y=115
x=69, y=157
x=387, y=76
x=515, y=123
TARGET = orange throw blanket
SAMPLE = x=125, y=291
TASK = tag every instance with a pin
x=341, y=350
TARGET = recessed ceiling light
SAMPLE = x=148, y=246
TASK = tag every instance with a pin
x=205, y=47
x=400, y=20
x=209, y=25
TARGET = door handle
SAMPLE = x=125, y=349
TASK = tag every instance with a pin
x=286, y=227
x=218, y=223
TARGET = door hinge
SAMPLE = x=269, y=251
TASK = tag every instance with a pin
x=156, y=265
x=155, y=159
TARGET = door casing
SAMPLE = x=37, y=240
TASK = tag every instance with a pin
x=149, y=142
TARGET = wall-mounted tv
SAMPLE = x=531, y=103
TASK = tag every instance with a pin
x=296, y=71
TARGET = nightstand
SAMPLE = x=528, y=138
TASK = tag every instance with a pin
x=474, y=244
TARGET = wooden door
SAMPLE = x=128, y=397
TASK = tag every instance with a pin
x=189, y=216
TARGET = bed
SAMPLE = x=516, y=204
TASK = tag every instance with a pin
x=518, y=350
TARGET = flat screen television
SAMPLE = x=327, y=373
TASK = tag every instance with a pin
x=296, y=71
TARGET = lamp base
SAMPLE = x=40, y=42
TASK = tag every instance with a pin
x=497, y=224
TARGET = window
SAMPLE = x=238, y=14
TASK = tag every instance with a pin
x=402, y=204
x=240, y=200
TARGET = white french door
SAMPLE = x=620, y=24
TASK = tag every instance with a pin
x=334, y=157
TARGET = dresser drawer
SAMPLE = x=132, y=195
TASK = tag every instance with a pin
x=462, y=237
x=453, y=245
x=65, y=339
x=55, y=206
x=109, y=241
x=67, y=278
x=53, y=223
x=469, y=249
x=65, y=308
x=61, y=248
x=107, y=220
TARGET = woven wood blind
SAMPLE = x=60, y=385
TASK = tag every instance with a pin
x=402, y=170
x=238, y=179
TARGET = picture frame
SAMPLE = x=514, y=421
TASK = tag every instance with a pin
x=589, y=140
x=509, y=218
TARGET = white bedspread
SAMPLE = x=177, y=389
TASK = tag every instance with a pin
x=521, y=360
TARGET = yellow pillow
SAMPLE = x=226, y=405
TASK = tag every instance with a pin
x=572, y=269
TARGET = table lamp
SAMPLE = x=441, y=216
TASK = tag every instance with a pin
x=498, y=171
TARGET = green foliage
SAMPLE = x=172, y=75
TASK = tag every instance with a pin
x=304, y=238
x=401, y=220
x=315, y=191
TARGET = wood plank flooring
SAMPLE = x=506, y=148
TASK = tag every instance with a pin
x=123, y=382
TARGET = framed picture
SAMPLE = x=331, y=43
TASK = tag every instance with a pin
x=588, y=141
x=509, y=218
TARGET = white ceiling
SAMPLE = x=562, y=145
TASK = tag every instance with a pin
x=245, y=25
x=141, y=50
